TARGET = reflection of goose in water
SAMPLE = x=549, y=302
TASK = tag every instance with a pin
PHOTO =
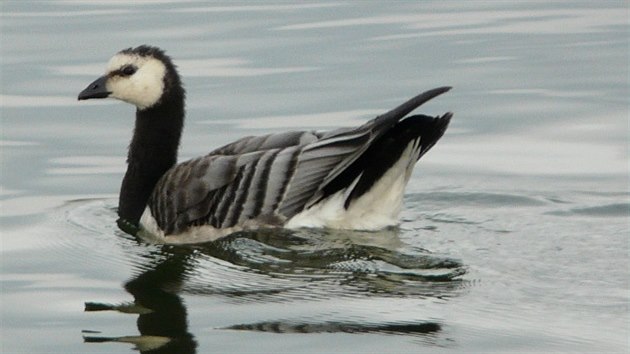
x=162, y=320
x=349, y=178
x=291, y=267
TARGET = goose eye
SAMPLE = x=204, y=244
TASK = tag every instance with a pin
x=128, y=70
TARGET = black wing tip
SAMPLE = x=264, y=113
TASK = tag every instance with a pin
x=442, y=89
x=443, y=122
x=427, y=95
x=446, y=120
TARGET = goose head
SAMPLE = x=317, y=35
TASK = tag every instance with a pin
x=143, y=76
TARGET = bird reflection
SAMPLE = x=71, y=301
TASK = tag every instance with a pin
x=162, y=318
x=278, y=265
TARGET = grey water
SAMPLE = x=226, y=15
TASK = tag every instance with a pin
x=513, y=236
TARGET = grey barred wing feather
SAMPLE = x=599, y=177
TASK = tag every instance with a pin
x=318, y=163
x=186, y=192
x=266, y=142
x=268, y=185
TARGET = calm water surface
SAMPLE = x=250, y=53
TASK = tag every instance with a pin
x=514, y=234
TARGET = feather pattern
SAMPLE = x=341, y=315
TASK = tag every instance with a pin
x=268, y=178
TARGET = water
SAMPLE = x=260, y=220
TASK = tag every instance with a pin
x=514, y=234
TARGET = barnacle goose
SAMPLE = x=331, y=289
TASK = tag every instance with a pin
x=349, y=178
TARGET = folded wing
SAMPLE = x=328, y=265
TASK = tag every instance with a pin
x=267, y=178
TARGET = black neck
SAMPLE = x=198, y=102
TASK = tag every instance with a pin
x=153, y=150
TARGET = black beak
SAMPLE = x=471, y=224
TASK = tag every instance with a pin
x=97, y=89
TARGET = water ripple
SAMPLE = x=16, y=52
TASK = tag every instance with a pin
x=608, y=210
x=272, y=265
x=277, y=268
x=477, y=199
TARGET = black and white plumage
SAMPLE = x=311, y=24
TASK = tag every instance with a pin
x=349, y=178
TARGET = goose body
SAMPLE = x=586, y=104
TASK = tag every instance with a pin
x=349, y=178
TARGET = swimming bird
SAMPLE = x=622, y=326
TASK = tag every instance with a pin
x=347, y=178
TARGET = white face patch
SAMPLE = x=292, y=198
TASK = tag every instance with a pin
x=144, y=88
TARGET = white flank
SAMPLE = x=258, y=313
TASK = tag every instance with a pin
x=151, y=232
x=374, y=210
x=144, y=88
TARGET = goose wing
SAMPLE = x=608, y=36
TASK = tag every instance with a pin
x=268, y=185
x=268, y=178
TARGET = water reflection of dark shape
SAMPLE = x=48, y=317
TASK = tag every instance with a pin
x=358, y=263
x=421, y=328
x=282, y=266
x=339, y=263
x=162, y=320
x=321, y=251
